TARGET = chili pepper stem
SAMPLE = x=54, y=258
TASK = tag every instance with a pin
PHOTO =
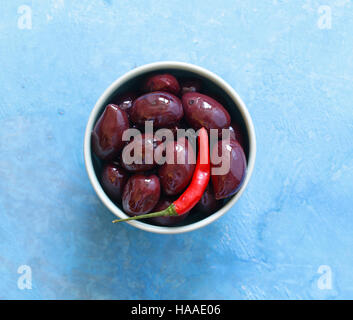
x=170, y=211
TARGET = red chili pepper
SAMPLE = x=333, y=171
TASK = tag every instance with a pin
x=197, y=187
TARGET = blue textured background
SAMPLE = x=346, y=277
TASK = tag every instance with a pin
x=296, y=213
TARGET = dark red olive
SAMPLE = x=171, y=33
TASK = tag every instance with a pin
x=113, y=180
x=141, y=194
x=162, y=204
x=229, y=180
x=142, y=149
x=236, y=133
x=190, y=85
x=126, y=100
x=208, y=203
x=175, y=176
x=161, y=82
x=182, y=125
x=203, y=111
x=173, y=130
x=163, y=108
x=108, y=131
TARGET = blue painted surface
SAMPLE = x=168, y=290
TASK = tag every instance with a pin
x=296, y=214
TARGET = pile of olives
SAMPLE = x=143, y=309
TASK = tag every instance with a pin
x=168, y=102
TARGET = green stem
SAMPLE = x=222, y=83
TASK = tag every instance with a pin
x=170, y=211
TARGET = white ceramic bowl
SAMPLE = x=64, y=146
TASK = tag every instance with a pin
x=235, y=106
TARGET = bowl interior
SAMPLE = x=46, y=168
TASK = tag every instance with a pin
x=209, y=88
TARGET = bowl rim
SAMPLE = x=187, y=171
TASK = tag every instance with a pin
x=152, y=67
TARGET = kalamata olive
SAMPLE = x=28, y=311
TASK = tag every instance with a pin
x=183, y=126
x=113, y=180
x=161, y=82
x=141, y=194
x=108, y=131
x=203, y=111
x=173, y=129
x=163, y=108
x=143, y=151
x=190, y=85
x=208, y=203
x=236, y=133
x=228, y=180
x=162, y=204
x=175, y=176
x=126, y=100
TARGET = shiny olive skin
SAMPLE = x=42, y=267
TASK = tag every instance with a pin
x=227, y=184
x=141, y=194
x=163, y=108
x=174, y=130
x=162, y=204
x=175, y=177
x=208, y=203
x=161, y=82
x=107, y=134
x=203, y=111
x=190, y=85
x=236, y=133
x=113, y=180
x=139, y=145
x=126, y=100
